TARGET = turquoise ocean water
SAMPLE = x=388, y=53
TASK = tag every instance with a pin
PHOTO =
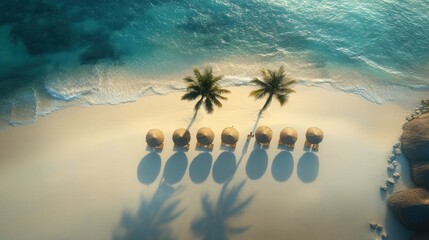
x=55, y=54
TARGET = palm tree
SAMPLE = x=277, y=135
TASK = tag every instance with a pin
x=274, y=84
x=206, y=86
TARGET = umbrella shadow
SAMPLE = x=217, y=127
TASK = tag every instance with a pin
x=224, y=167
x=149, y=168
x=215, y=224
x=175, y=168
x=257, y=164
x=282, y=166
x=308, y=167
x=200, y=167
x=151, y=222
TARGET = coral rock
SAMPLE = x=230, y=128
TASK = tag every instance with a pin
x=411, y=207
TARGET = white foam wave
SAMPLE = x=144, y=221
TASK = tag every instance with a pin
x=418, y=87
x=73, y=84
x=368, y=62
x=22, y=109
x=112, y=88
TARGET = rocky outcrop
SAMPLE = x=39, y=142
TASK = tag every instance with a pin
x=411, y=207
x=421, y=236
x=415, y=145
x=420, y=175
x=423, y=109
x=415, y=140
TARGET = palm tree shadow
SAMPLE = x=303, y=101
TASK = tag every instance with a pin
x=218, y=173
x=246, y=145
x=153, y=217
x=308, y=167
x=214, y=224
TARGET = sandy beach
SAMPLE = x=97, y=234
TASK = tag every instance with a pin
x=85, y=173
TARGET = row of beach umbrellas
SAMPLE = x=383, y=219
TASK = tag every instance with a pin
x=230, y=136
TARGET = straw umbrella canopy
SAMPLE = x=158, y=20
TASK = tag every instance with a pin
x=230, y=135
x=205, y=136
x=288, y=135
x=154, y=137
x=264, y=134
x=314, y=135
x=181, y=137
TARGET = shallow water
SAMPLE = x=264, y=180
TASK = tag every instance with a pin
x=107, y=52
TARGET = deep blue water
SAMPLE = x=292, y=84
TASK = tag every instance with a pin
x=54, y=54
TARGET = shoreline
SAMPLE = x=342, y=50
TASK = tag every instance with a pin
x=84, y=162
x=42, y=103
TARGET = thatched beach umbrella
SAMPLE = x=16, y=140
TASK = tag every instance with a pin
x=181, y=137
x=155, y=138
x=230, y=136
x=205, y=136
x=288, y=136
x=263, y=135
x=314, y=136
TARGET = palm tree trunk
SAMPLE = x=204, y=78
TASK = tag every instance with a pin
x=198, y=104
x=267, y=103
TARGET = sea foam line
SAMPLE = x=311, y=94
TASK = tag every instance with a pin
x=375, y=94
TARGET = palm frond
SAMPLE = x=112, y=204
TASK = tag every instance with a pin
x=281, y=71
x=282, y=98
x=259, y=82
x=217, y=78
x=273, y=83
x=290, y=90
x=220, y=96
x=198, y=75
x=208, y=71
x=207, y=86
x=258, y=94
x=265, y=74
x=208, y=105
x=219, y=90
x=189, y=80
x=287, y=83
x=194, y=88
x=215, y=100
x=190, y=96
x=198, y=104
x=287, y=90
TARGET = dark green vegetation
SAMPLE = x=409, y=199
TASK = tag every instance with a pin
x=206, y=87
x=273, y=84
